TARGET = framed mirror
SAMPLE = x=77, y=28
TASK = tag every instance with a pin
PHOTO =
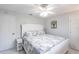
x=54, y=24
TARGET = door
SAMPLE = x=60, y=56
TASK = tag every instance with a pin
x=74, y=31
x=7, y=31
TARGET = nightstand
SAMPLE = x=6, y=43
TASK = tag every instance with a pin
x=19, y=44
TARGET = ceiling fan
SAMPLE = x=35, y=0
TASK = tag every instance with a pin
x=43, y=9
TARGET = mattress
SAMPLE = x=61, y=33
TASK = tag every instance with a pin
x=42, y=43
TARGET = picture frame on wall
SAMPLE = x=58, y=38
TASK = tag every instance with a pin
x=54, y=24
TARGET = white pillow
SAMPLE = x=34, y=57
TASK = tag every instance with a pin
x=41, y=32
x=34, y=33
x=30, y=33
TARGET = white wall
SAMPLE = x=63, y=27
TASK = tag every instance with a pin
x=7, y=27
x=25, y=19
x=62, y=26
x=10, y=23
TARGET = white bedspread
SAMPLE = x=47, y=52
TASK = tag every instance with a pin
x=45, y=42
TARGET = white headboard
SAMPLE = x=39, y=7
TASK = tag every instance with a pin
x=31, y=27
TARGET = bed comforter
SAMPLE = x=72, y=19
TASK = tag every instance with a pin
x=41, y=44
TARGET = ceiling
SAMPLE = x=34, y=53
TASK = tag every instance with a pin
x=27, y=8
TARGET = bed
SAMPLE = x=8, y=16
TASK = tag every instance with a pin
x=36, y=41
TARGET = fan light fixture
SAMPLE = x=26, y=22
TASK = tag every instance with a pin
x=44, y=14
x=45, y=10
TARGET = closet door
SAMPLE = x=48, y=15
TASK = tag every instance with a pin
x=74, y=31
x=7, y=31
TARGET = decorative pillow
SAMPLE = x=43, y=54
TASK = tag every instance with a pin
x=34, y=33
x=30, y=33
x=41, y=32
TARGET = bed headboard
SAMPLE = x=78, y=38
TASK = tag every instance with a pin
x=30, y=27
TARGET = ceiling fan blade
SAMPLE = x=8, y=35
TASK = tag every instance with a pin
x=50, y=8
x=49, y=12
